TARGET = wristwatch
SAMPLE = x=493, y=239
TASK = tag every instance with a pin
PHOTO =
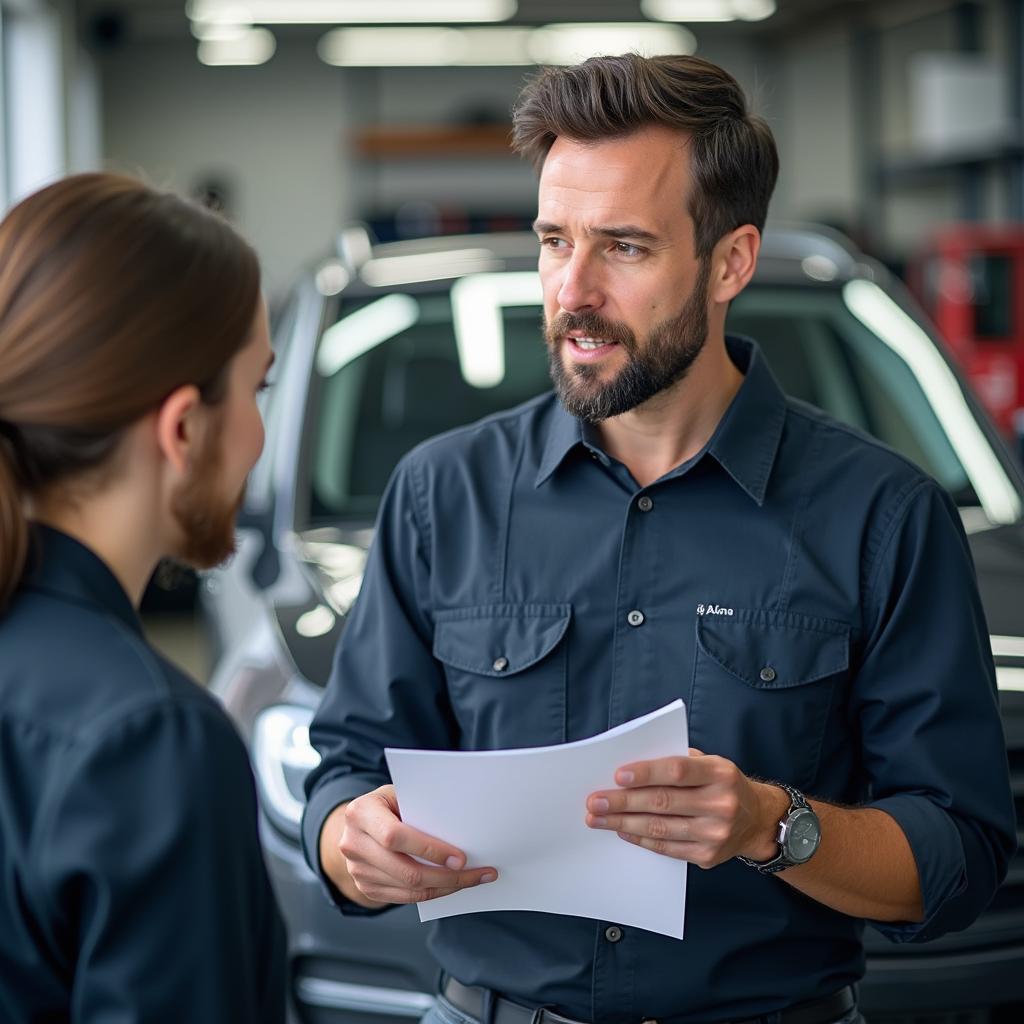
x=798, y=838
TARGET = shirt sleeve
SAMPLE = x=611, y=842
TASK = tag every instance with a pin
x=926, y=700
x=386, y=688
x=152, y=864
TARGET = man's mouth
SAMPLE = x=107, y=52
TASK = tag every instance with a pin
x=590, y=344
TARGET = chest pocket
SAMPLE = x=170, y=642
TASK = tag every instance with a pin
x=763, y=686
x=506, y=666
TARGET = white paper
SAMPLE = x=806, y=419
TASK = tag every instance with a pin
x=522, y=811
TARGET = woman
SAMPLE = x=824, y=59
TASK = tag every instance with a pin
x=133, y=342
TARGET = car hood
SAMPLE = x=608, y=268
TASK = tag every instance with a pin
x=999, y=560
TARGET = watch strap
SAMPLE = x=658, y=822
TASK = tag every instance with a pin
x=797, y=801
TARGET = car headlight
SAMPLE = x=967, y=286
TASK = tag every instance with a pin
x=283, y=757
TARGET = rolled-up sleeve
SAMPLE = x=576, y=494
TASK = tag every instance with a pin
x=386, y=689
x=926, y=702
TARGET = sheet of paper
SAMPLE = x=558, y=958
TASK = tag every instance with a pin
x=522, y=811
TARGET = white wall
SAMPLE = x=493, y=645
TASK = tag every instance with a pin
x=275, y=134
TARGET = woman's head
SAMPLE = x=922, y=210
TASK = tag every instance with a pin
x=117, y=302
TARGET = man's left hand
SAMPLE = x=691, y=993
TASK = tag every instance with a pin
x=700, y=809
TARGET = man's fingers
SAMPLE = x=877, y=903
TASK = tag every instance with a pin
x=371, y=864
x=651, y=799
x=393, y=834
x=699, y=770
x=650, y=826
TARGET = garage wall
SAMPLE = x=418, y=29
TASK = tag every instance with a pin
x=271, y=134
x=280, y=135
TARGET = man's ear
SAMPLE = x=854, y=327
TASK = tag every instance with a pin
x=177, y=427
x=735, y=260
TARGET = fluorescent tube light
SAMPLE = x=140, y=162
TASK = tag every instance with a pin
x=570, y=43
x=250, y=47
x=425, y=47
x=493, y=46
x=339, y=12
x=708, y=10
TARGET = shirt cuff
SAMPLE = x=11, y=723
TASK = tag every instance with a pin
x=325, y=798
x=938, y=852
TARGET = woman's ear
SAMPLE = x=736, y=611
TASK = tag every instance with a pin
x=178, y=426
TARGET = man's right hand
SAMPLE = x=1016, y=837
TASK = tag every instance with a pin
x=368, y=852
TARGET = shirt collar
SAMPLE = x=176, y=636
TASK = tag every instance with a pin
x=61, y=565
x=745, y=442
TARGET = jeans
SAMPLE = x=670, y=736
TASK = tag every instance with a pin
x=442, y=1012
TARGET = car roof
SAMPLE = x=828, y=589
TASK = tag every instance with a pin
x=790, y=254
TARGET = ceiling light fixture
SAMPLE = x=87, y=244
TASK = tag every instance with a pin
x=339, y=12
x=708, y=10
x=244, y=47
x=492, y=46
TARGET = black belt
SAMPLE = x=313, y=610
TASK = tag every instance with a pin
x=471, y=1001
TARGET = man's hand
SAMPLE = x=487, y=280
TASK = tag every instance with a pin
x=368, y=853
x=700, y=809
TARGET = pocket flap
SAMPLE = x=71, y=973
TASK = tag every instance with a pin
x=499, y=639
x=775, y=650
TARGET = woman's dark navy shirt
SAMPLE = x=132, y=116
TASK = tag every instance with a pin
x=132, y=887
x=806, y=591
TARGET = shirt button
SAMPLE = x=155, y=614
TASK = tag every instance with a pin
x=500, y=664
x=613, y=933
x=635, y=618
x=767, y=674
x=645, y=504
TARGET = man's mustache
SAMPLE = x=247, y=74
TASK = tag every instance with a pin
x=591, y=324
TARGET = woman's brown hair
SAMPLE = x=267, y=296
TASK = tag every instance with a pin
x=112, y=295
x=733, y=158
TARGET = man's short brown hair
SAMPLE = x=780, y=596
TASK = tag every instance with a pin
x=733, y=157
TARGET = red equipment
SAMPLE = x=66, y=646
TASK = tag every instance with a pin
x=971, y=281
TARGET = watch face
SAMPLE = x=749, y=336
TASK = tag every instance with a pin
x=803, y=834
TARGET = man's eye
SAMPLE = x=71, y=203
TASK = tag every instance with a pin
x=628, y=249
x=553, y=243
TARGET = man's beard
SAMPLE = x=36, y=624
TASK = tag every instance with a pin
x=206, y=519
x=663, y=360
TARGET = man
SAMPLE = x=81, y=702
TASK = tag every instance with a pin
x=671, y=526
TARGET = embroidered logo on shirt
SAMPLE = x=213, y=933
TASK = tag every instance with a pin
x=713, y=609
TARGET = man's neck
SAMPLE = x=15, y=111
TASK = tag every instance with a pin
x=676, y=424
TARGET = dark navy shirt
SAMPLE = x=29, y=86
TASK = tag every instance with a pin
x=806, y=591
x=132, y=888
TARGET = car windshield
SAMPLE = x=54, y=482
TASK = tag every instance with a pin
x=396, y=370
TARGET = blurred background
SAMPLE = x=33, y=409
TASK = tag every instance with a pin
x=297, y=116
x=362, y=145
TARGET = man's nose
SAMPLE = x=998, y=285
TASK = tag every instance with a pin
x=580, y=289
